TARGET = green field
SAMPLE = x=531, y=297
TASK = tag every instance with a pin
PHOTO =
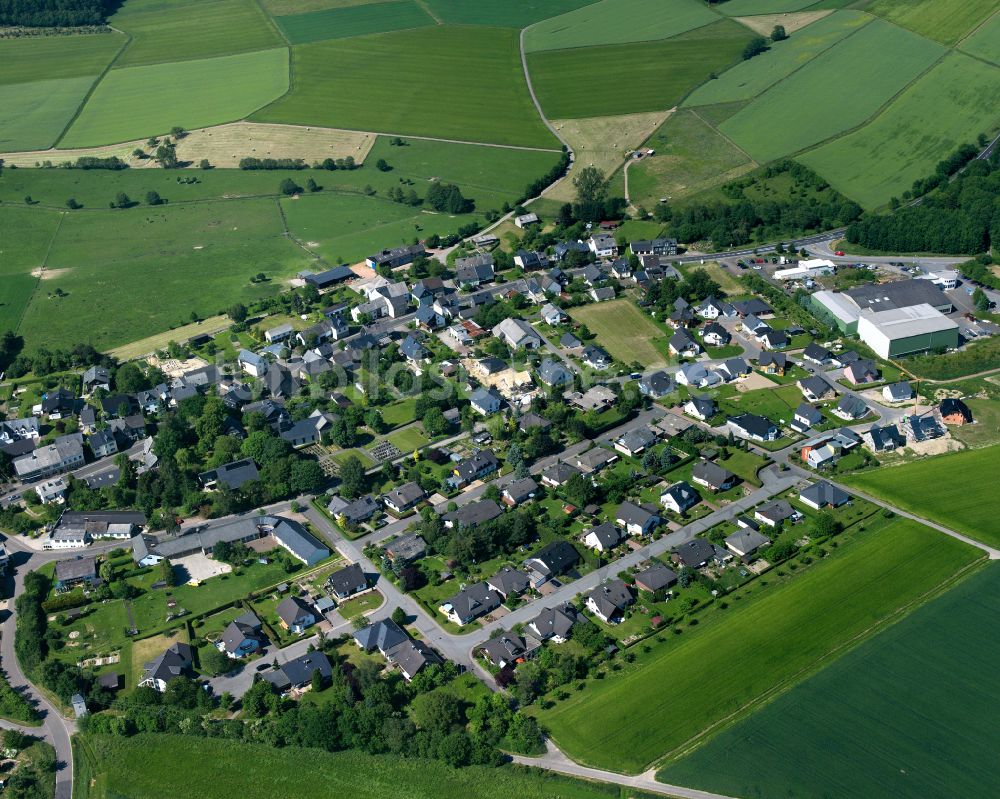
x=943, y=20
x=690, y=156
x=948, y=106
x=501, y=13
x=839, y=89
x=624, y=331
x=909, y=710
x=139, y=767
x=629, y=78
x=618, y=22
x=744, y=8
x=178, y=30
x=17, y=259
x=36, y=58
x=139, y=271
x=148, y=101
x=768, y=642
x=340, y=23
x=952, y=490
x=749, y=78
x=33, y=115
x=469, y=86
x=985, y=42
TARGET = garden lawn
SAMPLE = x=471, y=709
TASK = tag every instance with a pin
x=948, y=106
x=341, y=23
x=408, y=439
x=749, y=78
x=178, y=30
x=501, y=13
x=129, y=273
x=623, y=330
x=685, y=686
x=614, y=22
x=777, y=404
x=954, y=490
x=943, y=20
x=355, y=83
x=400, y=413
x=985, y=41
x=854, y=79
x=909, y=710
x=140, y=766
x=744, y=464
x=630, y=78
x=146, y=101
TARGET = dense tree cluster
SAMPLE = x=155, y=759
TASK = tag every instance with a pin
x=55, y=13
x=448, y=198
x=272, y=163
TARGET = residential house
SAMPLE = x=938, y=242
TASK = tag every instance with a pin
x=406, y=548
x=602, y=293
x=702, y=408
x=57, y=404
x=558, y=474
x=603, y=245
x=531, y=421
x=774, y=339
x=883, y=438
x=815, y=388
x=715, y=335
x=822, y=494
x=593, y=460
x=621, y=269
x=552, y=315
x=593, y=275
x=746, y=542
x=693, y=554
x=486, y=401
x=570, y=342
x=817, y=354
x=656, y=385
x=733, y=369
x=637, y=519
x=472, y=514
x=295, y=615
x=505, y=650
x=753, y=427
x=242, y=637
x=861, y=372
x=596, y=358
x=252, y=363
x=345, y=583
x=52, y=490
x=232, y=476
x=806, y=416
x=775, y=512
x=609, y=600
x=772, y=363
x=395, y=257
x=554, y=624
x=474, y=270
x=553, y=373
x=478, y=465
x=850, y=408
x=683, y=346
x=596, y=398
x=655, y=578
x=954, y=412
x=712, y=476
x=78, y=571
x=96, y=377
x=509, y=582
x=679, y=497
x=403, y=498
x=129, y=430
x=551, y=561
x=517, y=334
x=102, y=443
x=697, y=375
x=635, y=441
x=603, y=538
x=174, y=662
x=399, y=650
x=278, y=334
x=518, y=492
x=355, y=512
x=564, y=248
x=62, y=455
x=752, y=307
x=470, y=603
x=530, y=261
x=655, y=247
x=898, y=392
x=525, y=220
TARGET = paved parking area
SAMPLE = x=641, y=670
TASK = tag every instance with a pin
x=201, y=567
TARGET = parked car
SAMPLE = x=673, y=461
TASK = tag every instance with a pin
x=839, y=253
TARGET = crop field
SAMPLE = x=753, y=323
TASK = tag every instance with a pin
x=691, y=156
x=749, y=78
x=741, y=8
x=18, y=259
x=48, y=57
x=139, y=767
x=624, y=331
x=952, y=490
x=948, y=106
x=32, y=115
x=985, y=42
x=466, y=76
x=631, y=78
x=909, y=710
x=945, y=21
x=854, y=79
x=691, y=682
x=178, y=30
x=616, y=22
x=340, y=23
x=128, y=273
x=501, y=13
x=148, y=101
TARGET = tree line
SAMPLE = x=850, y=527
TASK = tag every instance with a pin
x=55, y=13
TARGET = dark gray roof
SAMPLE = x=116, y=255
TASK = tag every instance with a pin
x=173, y=662
x=747, y=541
x=76, y=569
x=407, y=547
x=776, y=511
x=554, y=621
x=655, y=578
x=348, y=580
x=559, y=472
x=897, y=294
x=683, y=494
x=824, y=493
x=815, y=385
x=383, y=635
x=611, y=598
x=607, y=535
x=711, y=473
x=406, y=494
x=695, y=552
x=509, y=581
x=553, y=558
x=299, y=671
x=504, y=648
x=474, y=601
x=630, y=513
x=291, y=609
x=520, y=490
x=474, y=513
x=232, y=475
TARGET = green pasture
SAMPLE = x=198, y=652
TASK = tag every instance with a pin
x=468, y=85
x=764, y=643
x=840, y=88
x=945, y=21
x=624, y=331
x=985, y=41
x=618, y=22
x=909, y=710
x=147, y=101
x=501, y=13
x=746, y=8
x=750, y=78
x=129, y=273
x=629, y=78
x=690, y=156
x=33, y=115
x=948, y=106
x=953, y=490
x=179, y=30
x=19, y=256
x=36, y=58
x=341, y=23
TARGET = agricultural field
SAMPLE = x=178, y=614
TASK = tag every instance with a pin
x=854, y=79
x=690, y=156
x=633, y=78
x=617, y=22
x=945, y=21
x=624, y=331
x=940, y=745
x=455, y=65
x=50, y=57
x=985, y=41
x=741, y=8
x=749, y=78
x=341, y=23
x=146, y=101
x=18, y=261
x=948, y=106
x=951, y=490
x=139, y=767
x=500, y=13
x=685, y=687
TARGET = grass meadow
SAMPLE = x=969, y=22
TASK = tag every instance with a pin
x=630, y=78
x=615, y=22
x=341, y=23
x=945, y=21
x=33, y=115
x=179, y=30
x=500, y=13
x=17, y=259
x=471, y=86
x=948, y=106
x=139, y=767
x=148, y=101
x=953, y=490
x=839, y=89
x=624, y=331
x=749, y=78
x=768, y=641
x=985, y=42
x=743, y=8
x=36, y=58
x=910, y=711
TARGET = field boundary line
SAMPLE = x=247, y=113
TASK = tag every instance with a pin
x=429, y=11
x=273, y=24
x=892, y=618
x=693, y=110
x=41, y=271
x=976, y=29
x=292, y=238
x=93, y=87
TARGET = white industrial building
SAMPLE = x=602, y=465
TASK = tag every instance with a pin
x=902, y=331
x=945, y=279
x=804, y=269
